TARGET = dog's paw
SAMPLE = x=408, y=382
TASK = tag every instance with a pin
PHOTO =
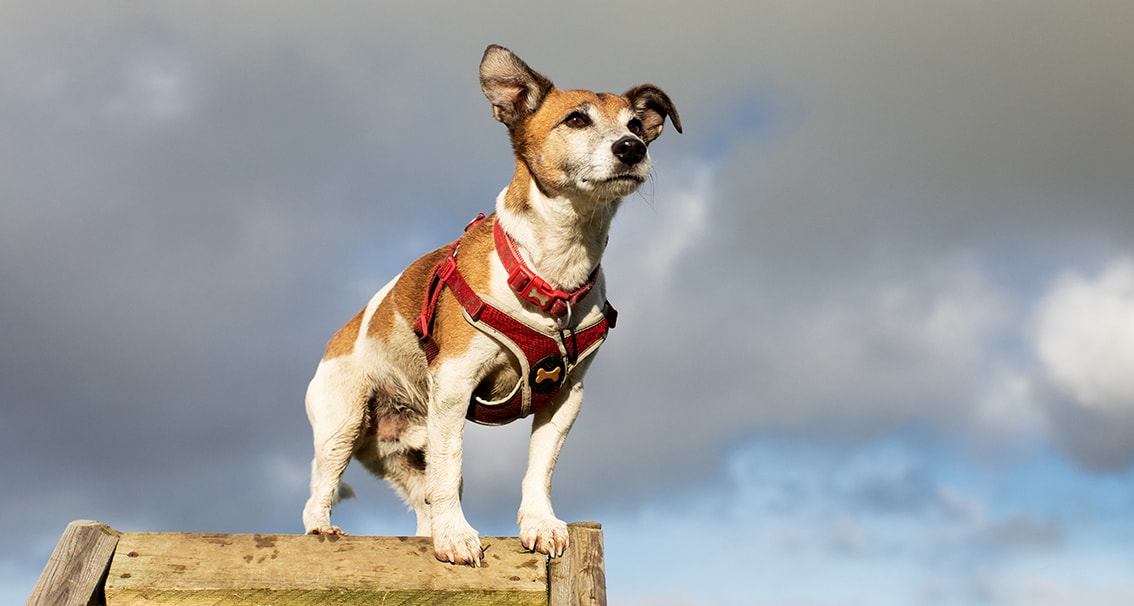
x=461, y=547
x=545, y=535
x=328, y=531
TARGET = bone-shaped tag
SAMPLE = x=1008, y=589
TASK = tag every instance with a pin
x=534, y=295
x=543, y=375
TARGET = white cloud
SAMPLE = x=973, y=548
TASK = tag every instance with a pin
x=685, y=225
x=915, y=347
x=1084, y=336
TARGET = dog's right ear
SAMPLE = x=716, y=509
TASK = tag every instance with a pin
x=514, y=89
x=652, y=106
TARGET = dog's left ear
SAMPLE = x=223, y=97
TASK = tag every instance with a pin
x=652, y=106
x=514, y=89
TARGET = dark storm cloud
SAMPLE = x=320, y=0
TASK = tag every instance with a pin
x=173, y=220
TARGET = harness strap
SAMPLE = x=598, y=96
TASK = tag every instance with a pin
x=529, y=285
x=442, y=274
x=545, y=359
x=545, y=363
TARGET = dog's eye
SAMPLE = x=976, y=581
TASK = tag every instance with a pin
x=636, y=127
x=577, y=120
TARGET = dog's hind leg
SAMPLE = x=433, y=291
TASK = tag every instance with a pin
x=336, y=409
x=394, y=449
x=405, y=471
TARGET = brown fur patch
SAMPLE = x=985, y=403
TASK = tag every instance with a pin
x=403, y=304
x=342, y=344
x=516, y=197
x=474, y=260
x=405, y=298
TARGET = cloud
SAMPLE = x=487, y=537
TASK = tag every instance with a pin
x=1024, y=532
x=1083, y=334
x=902, y=345
x=1085, y=339
x=791, y=510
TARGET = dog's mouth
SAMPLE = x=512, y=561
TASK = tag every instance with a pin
x=614, y=185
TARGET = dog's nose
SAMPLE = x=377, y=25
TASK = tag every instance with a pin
x=630, y=150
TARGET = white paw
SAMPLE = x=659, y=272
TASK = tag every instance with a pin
x=328, y=530
x=461, y=546
x=544, y=534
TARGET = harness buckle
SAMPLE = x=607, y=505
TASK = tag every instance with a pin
x=518, y=280
x=447, y=267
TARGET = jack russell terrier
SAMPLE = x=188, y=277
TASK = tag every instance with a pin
x=500, y=324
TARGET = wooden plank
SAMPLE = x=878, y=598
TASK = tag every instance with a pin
x=182, y=568
x=579, y=577
x=74, y=573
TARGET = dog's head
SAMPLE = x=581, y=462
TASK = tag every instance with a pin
x=575, y=143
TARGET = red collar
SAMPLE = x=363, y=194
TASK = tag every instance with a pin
x=529, y=285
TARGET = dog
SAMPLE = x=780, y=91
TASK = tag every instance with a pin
x=454, y=335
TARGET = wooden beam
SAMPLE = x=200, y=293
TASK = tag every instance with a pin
x=182, y=568
x=76, y=569
x=95, y=565
x=579, y=577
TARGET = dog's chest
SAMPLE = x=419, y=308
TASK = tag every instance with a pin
x=526, y=344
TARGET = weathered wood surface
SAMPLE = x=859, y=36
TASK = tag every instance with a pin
x=579, y=577
x=181, y=568
x=74, y=573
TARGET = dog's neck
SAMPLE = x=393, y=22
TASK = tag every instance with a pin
x=561, y=238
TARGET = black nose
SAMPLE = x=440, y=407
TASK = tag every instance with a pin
x=630, y=150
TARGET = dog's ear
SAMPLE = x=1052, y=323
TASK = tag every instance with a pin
x=514, y=89
x=652, y=106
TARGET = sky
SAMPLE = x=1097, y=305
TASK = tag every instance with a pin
x=876, y=332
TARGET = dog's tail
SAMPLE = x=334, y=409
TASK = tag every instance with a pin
x=343, y=492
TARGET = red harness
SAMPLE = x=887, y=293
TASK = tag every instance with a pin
x=546, y=358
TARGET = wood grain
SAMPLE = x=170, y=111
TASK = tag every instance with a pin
x=74, y=573
x=579, y=577
x=168, y=568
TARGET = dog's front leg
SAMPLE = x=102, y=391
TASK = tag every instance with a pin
x=540, y=530
x=454, y=540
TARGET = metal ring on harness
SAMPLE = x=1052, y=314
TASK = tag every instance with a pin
x=564, y=321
